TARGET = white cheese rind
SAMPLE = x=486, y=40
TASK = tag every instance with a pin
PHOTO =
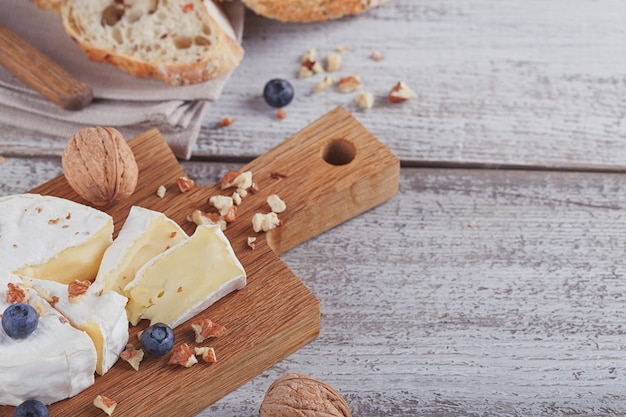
x=144, y=235
x=52, y=238
x=186, y=279
x=102, y=315
x=55, y=362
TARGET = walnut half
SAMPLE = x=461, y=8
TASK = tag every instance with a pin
x=295, y=395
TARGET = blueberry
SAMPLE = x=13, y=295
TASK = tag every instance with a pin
x=19, y=320
x=31, y=408
x=278, y=92
x=157, y=339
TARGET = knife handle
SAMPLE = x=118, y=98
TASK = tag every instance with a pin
x=41, y=73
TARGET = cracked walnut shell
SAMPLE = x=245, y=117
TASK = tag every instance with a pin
x=100, y=166
x=297, y=395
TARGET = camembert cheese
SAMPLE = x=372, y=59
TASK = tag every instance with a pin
x=144, y=235
x=55, y=362
x=52, y=238
x=102, y=315
x=186, y=279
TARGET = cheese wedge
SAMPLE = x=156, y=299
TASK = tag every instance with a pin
x=52, y=238
x=102, y=315
x=186, y=279
x=144, y=235
x=55, y=362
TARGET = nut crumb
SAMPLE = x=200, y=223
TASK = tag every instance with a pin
x=377, y=56
x=304, y=72
x=265, y=222
x=309, y=55
x=132, y=356
x=184, y=356
x=472, y=224
x=341, y=48
x=365, y=100
x=160, y=192
x=206, y=328
x=226, y=121
x=324, y=84
x=277, y=205
x=185, y=184
x=2, y=159
x=401, y=92
x=349, y=84
x=206, y=353
x=252, y=242
x=222, y=203
x=15, y=294
x=333, y=62
x=106, y=404
x=76, y=290
x=281, y=114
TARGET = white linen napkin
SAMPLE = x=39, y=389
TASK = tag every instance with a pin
x=130, y=104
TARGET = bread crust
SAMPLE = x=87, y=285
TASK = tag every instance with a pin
x=304, y=11
x=224, y=55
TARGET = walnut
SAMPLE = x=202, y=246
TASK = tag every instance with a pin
x=132, y=356
x=295, y=395
x=76, y=290
x=100, y=166
x=401, y=92
x=324, y=84
x=106, y=404
x=15, y=294
x=365, y=100
x=184, y=356
x=206, y=328
x=185, y=184
x=276, y=204
x=349, y=84
x=265, y=221
x=333, y=62
x=206, y=353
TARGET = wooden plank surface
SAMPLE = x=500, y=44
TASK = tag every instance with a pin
x=500, y=83
x=275, y=314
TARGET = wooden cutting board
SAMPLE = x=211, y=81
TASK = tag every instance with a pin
x=329, y=172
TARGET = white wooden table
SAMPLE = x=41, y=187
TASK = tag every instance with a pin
x=494, y=283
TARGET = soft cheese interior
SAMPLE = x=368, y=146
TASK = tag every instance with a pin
x=55, y=362
x=186, y=279
x=144, y=235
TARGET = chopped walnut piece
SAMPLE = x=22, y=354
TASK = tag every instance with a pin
x=253, y=189
x=349, y=84
x=207, y=354
x=365, y=100
x=226, y=121
x=401, y=92
x=16, y=294
x=277, y=205
x=231, y=215
x=333, y=62
x=309, y=55
x=185, y=184
x=160, y=192
x=252, y=242
x=200, y=217
x=41, y=307
x=317, y=68
x=106, y=404
x=222, y=203
x=265, y=222
x=324, y=84
x=341, y=48
x=76, y=290
x=377, y=56
x=132, y=356
x=236, y=198
x=183, y=355
x=206, y=328
x=277, y=175
x=228, y=179
x=281, y=114
x=304, y=72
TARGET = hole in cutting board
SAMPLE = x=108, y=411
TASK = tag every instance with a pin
x=339, y=152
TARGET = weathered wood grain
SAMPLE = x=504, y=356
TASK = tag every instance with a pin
x=500, y=83
x=471, y=293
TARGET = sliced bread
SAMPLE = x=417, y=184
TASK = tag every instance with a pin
x=303, y=11
x=178, y=41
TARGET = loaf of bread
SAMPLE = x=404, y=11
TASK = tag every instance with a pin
x=178, y=41
x=303, y=11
